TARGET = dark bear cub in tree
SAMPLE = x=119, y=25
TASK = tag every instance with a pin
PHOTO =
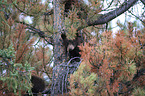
x=71, y=47
x=38, y=85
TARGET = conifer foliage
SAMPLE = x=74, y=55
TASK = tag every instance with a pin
x=118, y=62
x=71, y=48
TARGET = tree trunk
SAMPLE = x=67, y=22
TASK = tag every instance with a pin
x=61, y=69
x=58, y=51
x=58, y=27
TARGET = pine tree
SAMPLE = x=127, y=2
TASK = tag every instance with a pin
x=110, y=64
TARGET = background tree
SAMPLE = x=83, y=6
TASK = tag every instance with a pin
x=116, y=61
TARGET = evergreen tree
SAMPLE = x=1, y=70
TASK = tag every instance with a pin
x=87, y=57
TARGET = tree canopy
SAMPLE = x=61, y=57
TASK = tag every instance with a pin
x=112, y=61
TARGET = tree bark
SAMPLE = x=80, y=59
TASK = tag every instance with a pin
x=58, y=27
x=58, y=50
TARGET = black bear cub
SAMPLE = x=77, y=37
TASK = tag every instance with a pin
x=38, y=85
x=71, y=47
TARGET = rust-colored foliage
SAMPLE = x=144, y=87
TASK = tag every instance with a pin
x=22, y=42
x=116, y=59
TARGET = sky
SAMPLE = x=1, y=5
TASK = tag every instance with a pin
x=137, y=10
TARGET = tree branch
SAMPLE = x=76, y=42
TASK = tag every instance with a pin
x=48, y=13
x=136, y=16
x=105, y=18
x=143, y=1
x=108, y=5
x=113, y=14
x=39, y=32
